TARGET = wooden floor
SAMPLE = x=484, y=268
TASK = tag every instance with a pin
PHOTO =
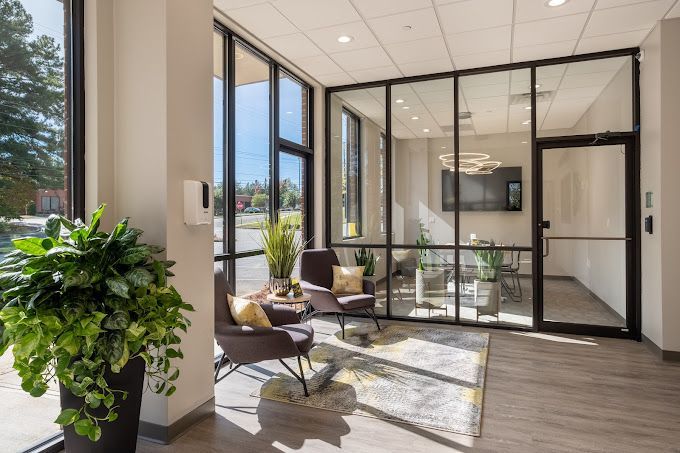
x=544, y=393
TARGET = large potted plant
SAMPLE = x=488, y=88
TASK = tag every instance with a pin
x=487, y=286
x=93, y=311
x=282, y=246
x=366, y=258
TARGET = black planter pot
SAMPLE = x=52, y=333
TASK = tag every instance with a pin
x=118, y=436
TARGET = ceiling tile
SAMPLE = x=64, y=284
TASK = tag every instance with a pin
x=604, y=4
x=420, y=50
x=382, y=73
x=377, y=8
x=330, y=80
x=641, y=16
x=541, y=51
x=482, y=59
x=262, y=21
x=353, y=60
x=549, y=30
x=390, y=29
x=327, y=38
x=480, y=41
x=675, y=12
x=233, y=4
x=474, y=15
x=294, y=46
x=527, y=10
x=308, y=15
x=318, y=66
x=608, y=42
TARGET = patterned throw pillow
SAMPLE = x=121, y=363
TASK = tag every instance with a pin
x=247, y=312
x=348, y=280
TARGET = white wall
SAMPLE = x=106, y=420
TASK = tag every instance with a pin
x=149, y=127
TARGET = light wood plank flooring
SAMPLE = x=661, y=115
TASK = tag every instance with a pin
x=544, y=393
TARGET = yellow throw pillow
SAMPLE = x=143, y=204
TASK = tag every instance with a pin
x=348, y=280
x=247, y=312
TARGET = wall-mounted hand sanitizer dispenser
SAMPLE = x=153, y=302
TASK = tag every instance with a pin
x=197, y=203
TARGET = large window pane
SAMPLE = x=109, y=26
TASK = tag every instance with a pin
x=252, y=147
x=35, y=173
x=292, y=190
x=293, y=110
x=422, y=154
x=357, y=166
x=585, y=97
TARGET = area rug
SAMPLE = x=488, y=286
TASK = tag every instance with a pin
x=422, y=376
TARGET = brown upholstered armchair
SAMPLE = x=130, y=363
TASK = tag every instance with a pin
x=243, y=345
x=316, y=278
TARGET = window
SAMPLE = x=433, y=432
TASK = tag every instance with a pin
x=351, y=177
x=293, y=109
x=40, y=162
x=257, y=173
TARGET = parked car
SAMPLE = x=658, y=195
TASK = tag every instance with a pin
x=252, y=210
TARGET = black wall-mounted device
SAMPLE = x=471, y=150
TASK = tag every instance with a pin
x=649, y=227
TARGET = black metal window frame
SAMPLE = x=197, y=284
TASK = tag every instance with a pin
x=633, y=291
x=277, y=145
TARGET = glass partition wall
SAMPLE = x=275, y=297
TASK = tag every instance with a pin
x=436, y=177
x=263, y=156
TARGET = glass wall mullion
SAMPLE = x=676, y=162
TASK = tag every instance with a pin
x=456, y=194
x=388, y=195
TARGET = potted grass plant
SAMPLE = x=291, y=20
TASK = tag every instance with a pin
x=487, y=286
x=428, y=279
x=282, y=247
x=367, y=259
x=93, y=311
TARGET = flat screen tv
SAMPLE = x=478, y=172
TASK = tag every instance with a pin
x=499, y=191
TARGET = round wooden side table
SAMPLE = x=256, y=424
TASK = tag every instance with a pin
x=290, y=299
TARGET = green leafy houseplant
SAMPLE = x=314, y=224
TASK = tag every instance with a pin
x=78, y=305
x=281, y=246
x=489, y=263
x=367, y=259
x=423, y=239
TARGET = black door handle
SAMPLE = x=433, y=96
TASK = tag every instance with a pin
x=544, y=224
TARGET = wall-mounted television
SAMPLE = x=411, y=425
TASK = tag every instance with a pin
x=499, y=191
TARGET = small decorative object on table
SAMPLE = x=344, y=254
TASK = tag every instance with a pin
x=297, y=289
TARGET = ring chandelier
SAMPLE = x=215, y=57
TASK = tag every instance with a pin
x=471, y=163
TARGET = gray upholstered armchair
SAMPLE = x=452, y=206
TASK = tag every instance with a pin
x=316, y=278
x=242, y=344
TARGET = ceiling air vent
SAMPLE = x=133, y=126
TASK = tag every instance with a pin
x=525, y=98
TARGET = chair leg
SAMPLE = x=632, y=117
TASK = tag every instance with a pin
x=231, y=370
x=300, y=378
x=371, y=313
x=309, y=362
x=341, y=321
x=219, y=365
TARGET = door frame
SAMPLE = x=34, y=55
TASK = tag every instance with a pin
x=632, y=217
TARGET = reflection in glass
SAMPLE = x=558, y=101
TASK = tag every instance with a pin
x=357, y=125
x=293, y=109
x=422, y=140
x=252, y=146
x=348, y=257
x=585, y=97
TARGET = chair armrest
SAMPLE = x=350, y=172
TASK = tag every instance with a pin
x=322, y=298
x=280, y=315
x=368, y=287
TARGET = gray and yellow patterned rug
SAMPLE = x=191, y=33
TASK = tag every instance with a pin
x=422, y=376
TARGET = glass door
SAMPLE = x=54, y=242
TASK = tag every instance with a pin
x=585, y=228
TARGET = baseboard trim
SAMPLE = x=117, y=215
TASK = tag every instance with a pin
x=666, y=356
x=167, y=434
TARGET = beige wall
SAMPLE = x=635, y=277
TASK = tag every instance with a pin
x=149, y=127
x=660, y=161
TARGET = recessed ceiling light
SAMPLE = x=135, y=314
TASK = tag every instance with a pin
x=538, y=85
x=399, y=101
x=528, y=107
x=426, y=130
x=526, y=122
x=238, y=56
x=524, y=142
x=443, y=147
x=406, y=107
x=344, y=39
x=415, y=117
x=555, y=2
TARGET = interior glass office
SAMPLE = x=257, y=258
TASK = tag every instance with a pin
x=438, y=176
